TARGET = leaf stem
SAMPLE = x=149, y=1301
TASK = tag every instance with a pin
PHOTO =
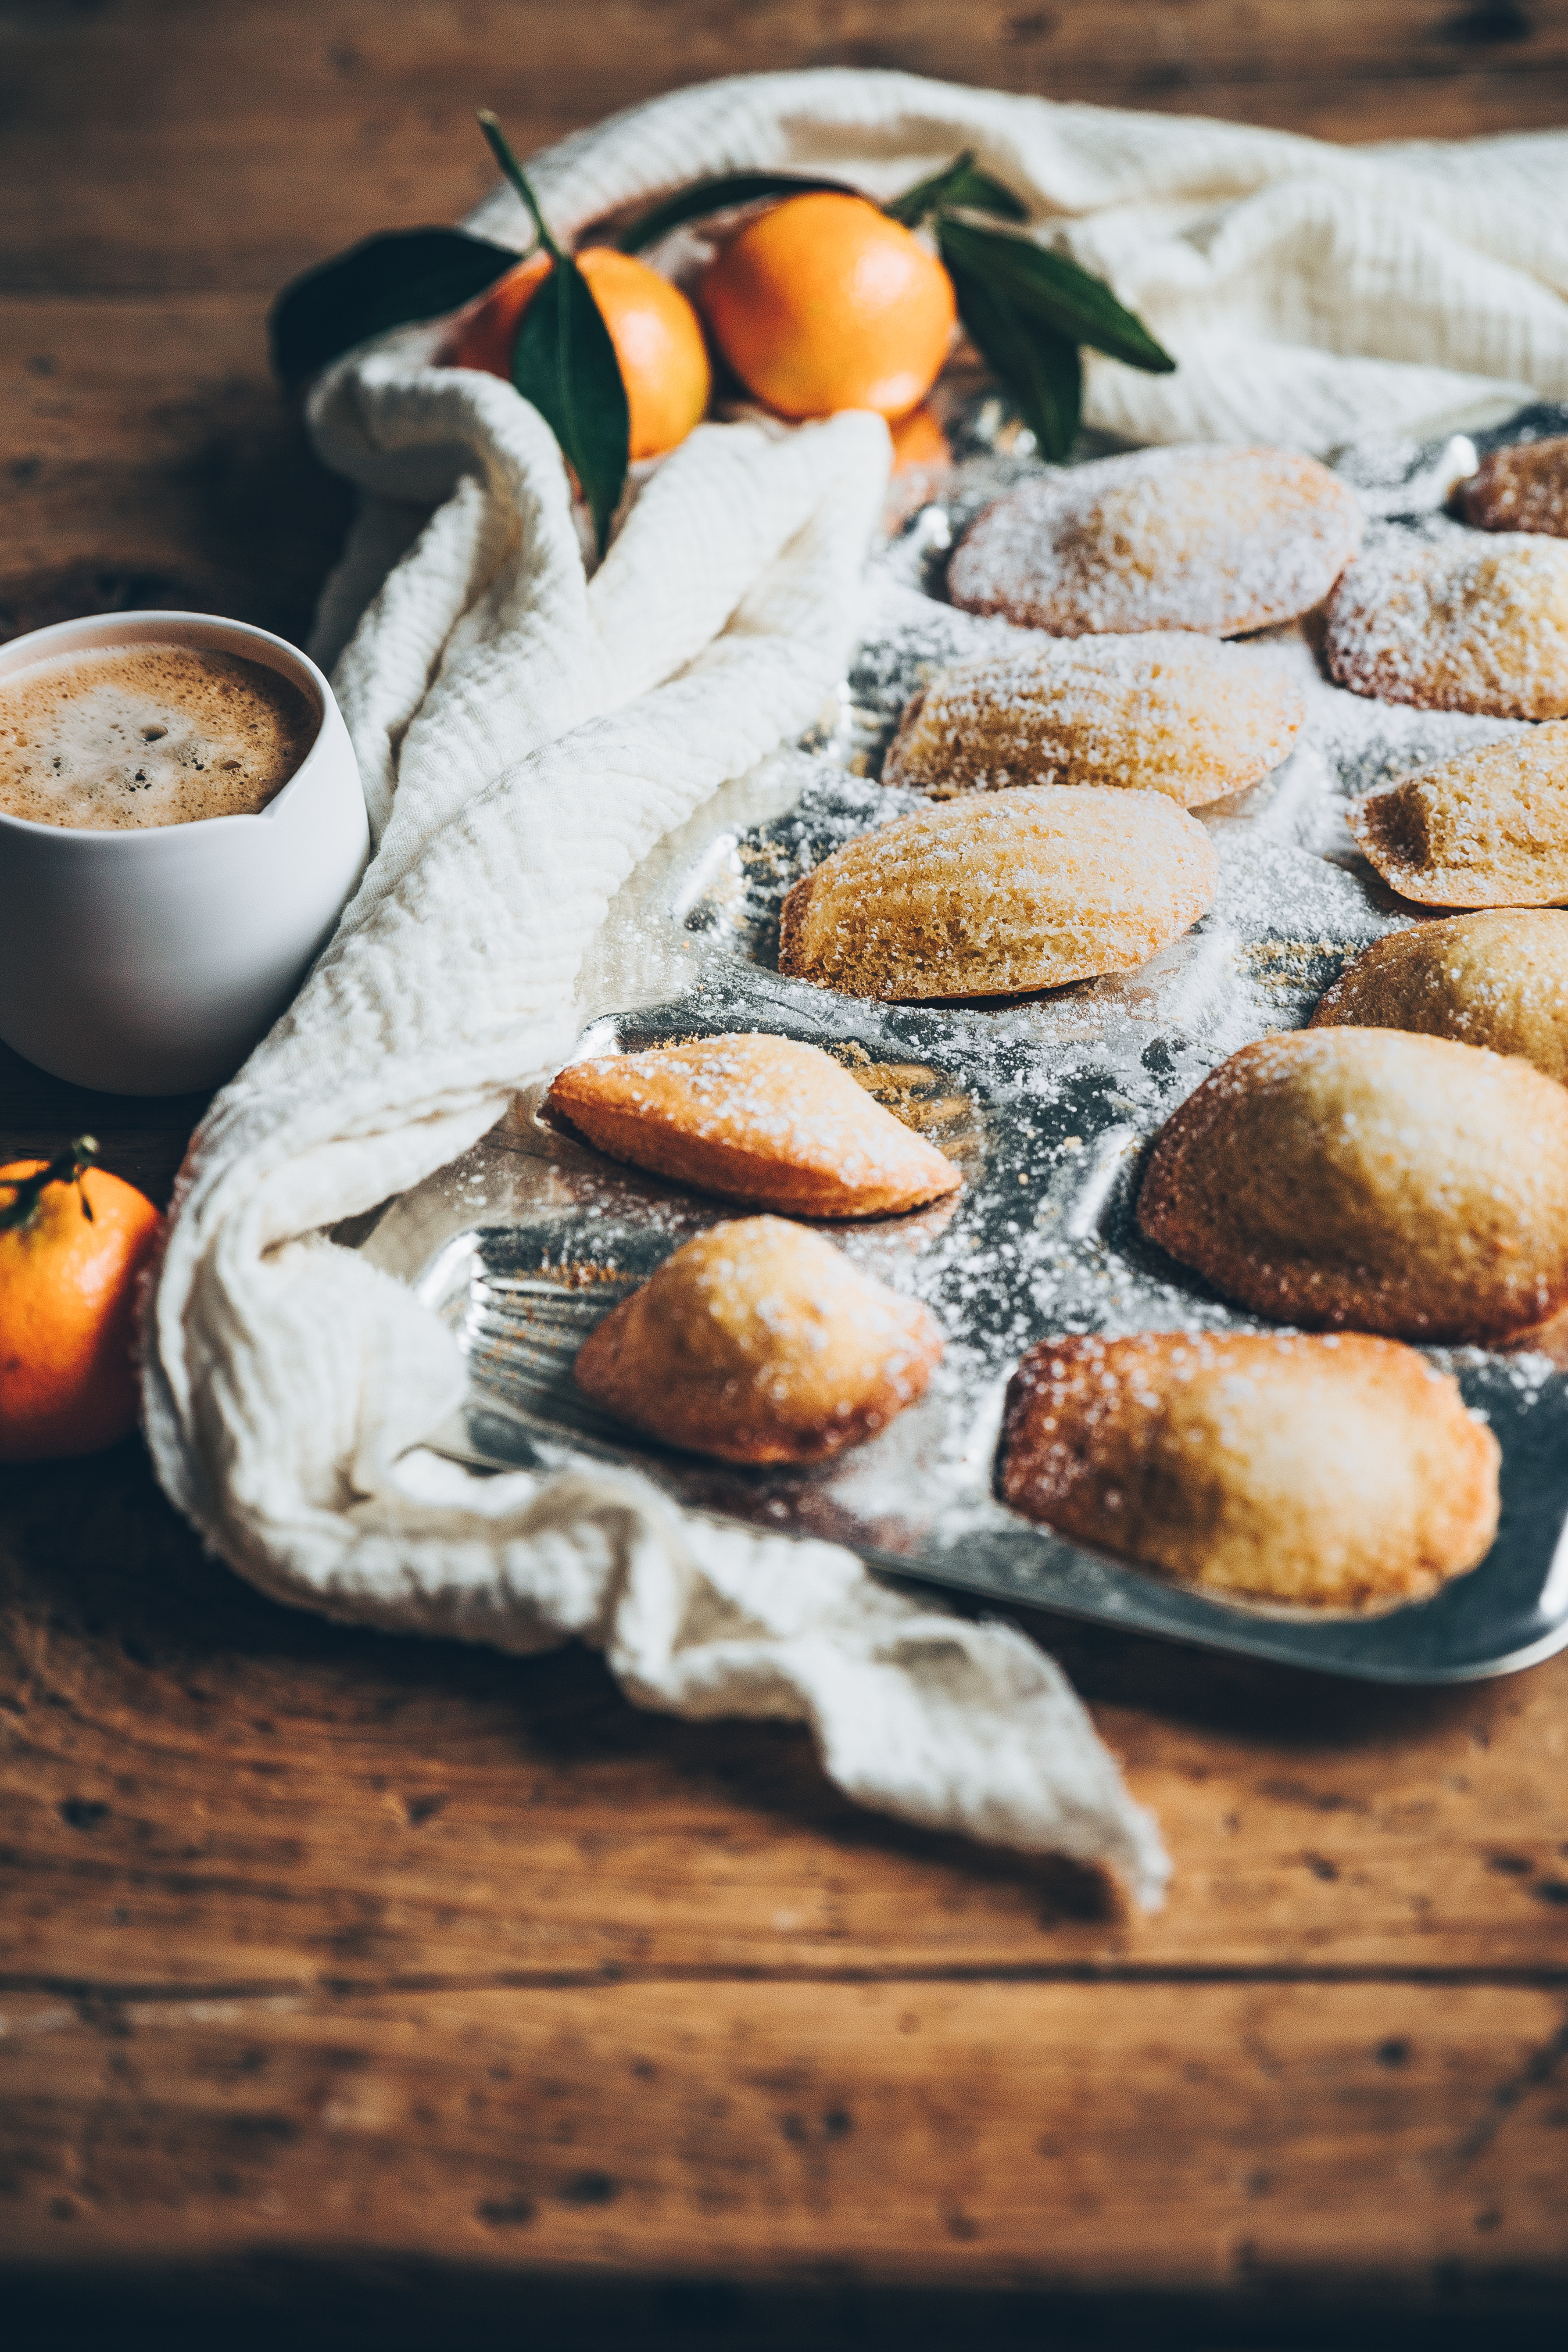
x=960, y=184
x=67, y=1167
x=512, y=169
x=732, y=188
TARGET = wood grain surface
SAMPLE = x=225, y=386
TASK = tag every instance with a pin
x=366, y=1990
x=315, y=1939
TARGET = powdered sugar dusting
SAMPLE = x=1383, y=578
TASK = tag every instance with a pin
x=990, y=896
x=1052, y=1100
x=1522, y=489
x=1216, y=540
x=1163, y=711
x=757, y=1118
x=1451, y=620
x=1489, y=828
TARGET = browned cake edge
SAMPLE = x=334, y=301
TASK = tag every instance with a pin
x=602, y=1374
x=1472, y=1505
x=1337, y=1301
x=791, y=923
x=709, y=1164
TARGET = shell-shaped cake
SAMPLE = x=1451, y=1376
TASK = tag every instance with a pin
x=1522, y=489
x=1460, y=622
x=1339, y=1472
x=995, y=894
x=758, y=1342
x=755, y=1118
x=1485, y=828
x=1365, y=1178
x=1197, y=536
x=1164, y=712
x=1498, y=980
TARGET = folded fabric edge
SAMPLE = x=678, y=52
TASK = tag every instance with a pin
x=383, y=1585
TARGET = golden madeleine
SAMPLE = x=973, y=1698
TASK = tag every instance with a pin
x=998, y=892
x=757, y=1118
x=1498, y=980
x=1198, y=537
x=1340, y=1472
x=1164, y=712
x=1487, y=828
x=1522, y=489
x=758, y=1342
x=1363, y=1177
x=1460, y=622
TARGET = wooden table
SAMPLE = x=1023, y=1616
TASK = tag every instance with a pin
x=363, y=1987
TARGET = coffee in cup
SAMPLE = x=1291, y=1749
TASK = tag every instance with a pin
x=119, y=738
x=161, y=907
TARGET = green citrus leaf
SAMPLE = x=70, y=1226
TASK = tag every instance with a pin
x=961, y=185
x=1049, y=288
x=388, y=281
x=564, y=362
x=1040, y=367
x=496, y=140
x=718, y=196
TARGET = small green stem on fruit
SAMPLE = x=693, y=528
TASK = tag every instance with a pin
x=67, y=1167
x=512, y=169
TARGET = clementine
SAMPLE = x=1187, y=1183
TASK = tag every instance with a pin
x=822, y=302
x=657, y=334
x=919, y=442
x=73, y=1240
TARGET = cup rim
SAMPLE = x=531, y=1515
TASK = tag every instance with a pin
x=142, y=624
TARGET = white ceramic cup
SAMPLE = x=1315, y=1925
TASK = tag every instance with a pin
x=149, y=961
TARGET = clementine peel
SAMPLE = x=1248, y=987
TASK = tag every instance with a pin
x=657, y=334
x=822, y=302
x=73, y=1241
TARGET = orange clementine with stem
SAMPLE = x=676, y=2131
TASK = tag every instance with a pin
x=657, y=334
x=73, y=1242
x=822, y=302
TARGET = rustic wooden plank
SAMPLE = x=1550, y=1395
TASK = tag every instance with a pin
x=143, y=1137
x=203, y=1790
x=446, y=43
x=320, y=1942
x=163, y=143
x=1100, y=2137
x=1354, y=112
x=144, y=436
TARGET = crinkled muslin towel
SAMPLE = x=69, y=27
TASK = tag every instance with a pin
x=528, y=734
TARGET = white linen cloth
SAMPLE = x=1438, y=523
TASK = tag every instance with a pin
x=528, y=734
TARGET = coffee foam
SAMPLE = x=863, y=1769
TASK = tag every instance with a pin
x=148, y=735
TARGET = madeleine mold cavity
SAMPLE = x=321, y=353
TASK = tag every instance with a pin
x=1047, y=1104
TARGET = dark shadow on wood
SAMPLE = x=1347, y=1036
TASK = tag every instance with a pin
x=392, y=2306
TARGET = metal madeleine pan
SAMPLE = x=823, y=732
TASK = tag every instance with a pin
x=1047, y=1103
